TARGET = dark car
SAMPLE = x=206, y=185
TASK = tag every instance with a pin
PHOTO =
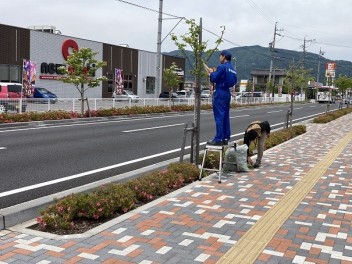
x=166, y=95
x=348, y=100
x=42, y=93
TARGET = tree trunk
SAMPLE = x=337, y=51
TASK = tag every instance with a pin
x=82, y=100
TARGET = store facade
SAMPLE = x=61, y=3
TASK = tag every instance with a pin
x=49, y=51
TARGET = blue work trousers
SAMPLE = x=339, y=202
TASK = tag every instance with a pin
x=221, y=109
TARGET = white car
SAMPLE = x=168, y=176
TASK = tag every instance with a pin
x=126, y=95
x=205, y=94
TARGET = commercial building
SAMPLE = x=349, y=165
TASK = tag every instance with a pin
x=49, y=51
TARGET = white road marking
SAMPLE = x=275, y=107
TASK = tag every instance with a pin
x=3, y=148
x=275, y=111
x=83, y=174
x=150, y=128
x=239, y=116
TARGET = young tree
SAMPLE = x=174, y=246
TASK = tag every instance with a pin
x=343, y=83
x=80, y=71
x=193, y=40
x=171, y=78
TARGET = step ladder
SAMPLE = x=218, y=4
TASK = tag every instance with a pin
x=212, y=148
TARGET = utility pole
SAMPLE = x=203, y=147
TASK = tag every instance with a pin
x=158, y=52
x=304, y=46
x=321, y=53
x=272, y=51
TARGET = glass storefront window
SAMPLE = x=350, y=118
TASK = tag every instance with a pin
x=10, y=73
x=150, y=85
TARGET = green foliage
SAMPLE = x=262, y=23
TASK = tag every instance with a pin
x=189, y=171
x=82, y=67
x=115, y=199
x=211, y=161
x=61, y=214
x=296, y=79
x=343, y=83
x=171, y=78
x=191, y=40
x=81, y=70
x=37, y=116
x=283, y=135
x=330, y=116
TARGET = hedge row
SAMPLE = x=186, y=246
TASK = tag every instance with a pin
x=116, y=198
x=134, y=110
x=330, y=116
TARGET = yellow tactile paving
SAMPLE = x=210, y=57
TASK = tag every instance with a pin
x=250, y=246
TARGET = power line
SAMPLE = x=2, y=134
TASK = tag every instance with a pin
x=261, y=11
x=147, y=8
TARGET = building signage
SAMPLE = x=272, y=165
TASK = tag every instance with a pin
x=330, y=68
x=50, y=70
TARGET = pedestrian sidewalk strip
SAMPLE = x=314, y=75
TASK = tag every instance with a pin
x=254, y=241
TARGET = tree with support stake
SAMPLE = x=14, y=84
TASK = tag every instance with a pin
x=193, y=40
x=80, y=71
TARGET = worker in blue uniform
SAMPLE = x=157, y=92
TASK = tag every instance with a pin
x=225, y=78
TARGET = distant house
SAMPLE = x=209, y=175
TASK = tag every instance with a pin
x=260, y=78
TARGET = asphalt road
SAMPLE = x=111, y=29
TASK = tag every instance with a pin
x=39, y=161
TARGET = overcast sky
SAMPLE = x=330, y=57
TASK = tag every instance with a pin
x=325, y=24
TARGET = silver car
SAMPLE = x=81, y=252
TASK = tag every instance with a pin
x=126, y=95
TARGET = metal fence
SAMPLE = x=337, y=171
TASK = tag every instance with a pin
x=74, y=104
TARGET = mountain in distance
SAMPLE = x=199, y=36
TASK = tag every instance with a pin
x=248, y=58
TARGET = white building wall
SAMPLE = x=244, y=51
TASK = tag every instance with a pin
x=147, y=63
x=47, y=47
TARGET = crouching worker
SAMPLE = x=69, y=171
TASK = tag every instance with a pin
x=258, y=132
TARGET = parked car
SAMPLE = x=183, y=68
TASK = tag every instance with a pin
x=250, y=94
x=205, y=94
x=348, y=100
x=11, y=97
x=182, y=95
x=43, y=93
x=126, y=95
x=166, y=95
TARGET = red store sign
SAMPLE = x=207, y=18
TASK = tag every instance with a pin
x=52, y=68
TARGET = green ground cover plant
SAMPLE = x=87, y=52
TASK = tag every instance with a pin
x=330, y=116
x=134, y=110
x=76, y=212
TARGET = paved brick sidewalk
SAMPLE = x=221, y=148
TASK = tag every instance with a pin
x=204, y=221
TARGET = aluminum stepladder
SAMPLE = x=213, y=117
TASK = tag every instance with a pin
x=212, y=148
